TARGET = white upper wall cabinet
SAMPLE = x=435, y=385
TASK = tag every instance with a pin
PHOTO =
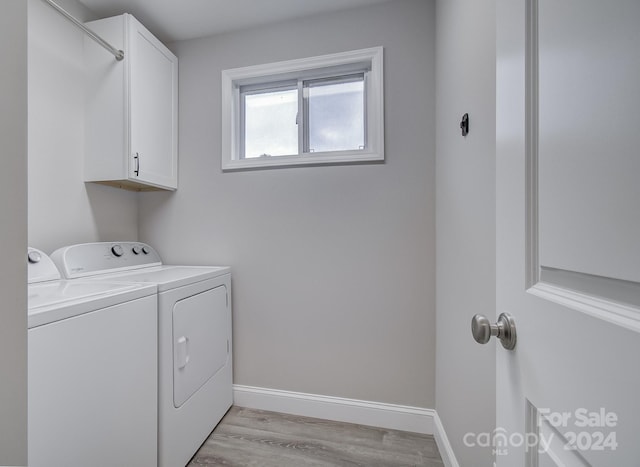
x=131, y=136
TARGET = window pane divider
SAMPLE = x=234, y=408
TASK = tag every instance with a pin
x=302, y=120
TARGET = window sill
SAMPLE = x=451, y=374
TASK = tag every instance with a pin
x=322, y=158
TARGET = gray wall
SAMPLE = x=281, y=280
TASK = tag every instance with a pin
x=465, y=375
x=62, y=208
x=13, y=233
x=333, y=266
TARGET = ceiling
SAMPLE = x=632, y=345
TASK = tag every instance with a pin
x=174, y=20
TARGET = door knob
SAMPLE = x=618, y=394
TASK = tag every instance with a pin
x=504, y=329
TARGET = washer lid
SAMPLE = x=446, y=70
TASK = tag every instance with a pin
x=56, y=300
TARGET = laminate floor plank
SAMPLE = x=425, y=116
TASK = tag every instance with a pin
x=256, y=438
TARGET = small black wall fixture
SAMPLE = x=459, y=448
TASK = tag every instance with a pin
x=464, y=124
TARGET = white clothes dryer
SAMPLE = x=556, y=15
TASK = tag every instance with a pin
x=194, y=337
x=92, y=352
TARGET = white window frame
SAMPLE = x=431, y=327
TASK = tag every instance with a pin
x=368, y=60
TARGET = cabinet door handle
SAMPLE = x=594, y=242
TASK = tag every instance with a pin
x=137, y=170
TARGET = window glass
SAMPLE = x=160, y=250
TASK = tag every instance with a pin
x=336, y=114
x=270, y=123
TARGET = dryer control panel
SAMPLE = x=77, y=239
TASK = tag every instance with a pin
x=88, y=259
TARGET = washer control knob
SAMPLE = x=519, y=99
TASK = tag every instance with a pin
x=136, y=250
x=117, y=250
x=146, y=250
x=34, y=256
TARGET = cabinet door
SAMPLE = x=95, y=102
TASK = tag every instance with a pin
x=154, y=107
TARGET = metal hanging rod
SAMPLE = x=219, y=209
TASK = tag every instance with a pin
x=119, y=54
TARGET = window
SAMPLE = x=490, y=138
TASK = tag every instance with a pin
x=321, y=110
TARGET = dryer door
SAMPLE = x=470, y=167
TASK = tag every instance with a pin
x=200, y=341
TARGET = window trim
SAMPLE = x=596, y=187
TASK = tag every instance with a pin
x=313, y=68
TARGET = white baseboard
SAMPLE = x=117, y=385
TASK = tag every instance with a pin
x=378, y=414
x=446, y=451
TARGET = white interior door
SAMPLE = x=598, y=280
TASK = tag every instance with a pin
x=568, y=233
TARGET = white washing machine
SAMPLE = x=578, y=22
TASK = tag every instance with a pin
x=194, y=337
x=92, y=395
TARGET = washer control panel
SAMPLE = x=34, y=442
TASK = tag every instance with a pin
x=40, y=268
x=87, y=259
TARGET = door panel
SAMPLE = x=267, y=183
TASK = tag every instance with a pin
x=568, y=219
x=589, y=72
x=553, y=453
x=200, y=341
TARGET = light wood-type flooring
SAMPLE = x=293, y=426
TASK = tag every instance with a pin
x=248, y=438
